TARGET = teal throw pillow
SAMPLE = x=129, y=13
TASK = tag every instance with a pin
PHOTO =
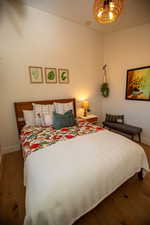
x=63, y=120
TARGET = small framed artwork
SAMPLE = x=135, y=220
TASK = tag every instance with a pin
x=63, y=75
x=138, y=84
x=50, y=75
x=36, y=74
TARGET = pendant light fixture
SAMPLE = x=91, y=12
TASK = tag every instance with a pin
x=107, y=11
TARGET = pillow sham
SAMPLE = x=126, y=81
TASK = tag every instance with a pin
x=29, y=117
x=48, y=119
x=40, y=110
x=63, y=120
x=61, y=108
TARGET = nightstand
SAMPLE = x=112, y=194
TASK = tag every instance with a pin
x=91, y=118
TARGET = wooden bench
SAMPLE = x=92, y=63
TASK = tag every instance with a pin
x=124, y=128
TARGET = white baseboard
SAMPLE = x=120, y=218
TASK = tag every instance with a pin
x=8, y=149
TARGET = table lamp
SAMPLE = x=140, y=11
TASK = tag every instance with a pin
x=85, y=106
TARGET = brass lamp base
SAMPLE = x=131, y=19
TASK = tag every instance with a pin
x=85, y=113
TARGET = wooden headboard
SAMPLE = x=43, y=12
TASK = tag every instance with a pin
x=20, y=106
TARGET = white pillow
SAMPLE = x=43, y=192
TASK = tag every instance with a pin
x=40, y=110
x=29, y=117
x=61, y=108
x=48, y=119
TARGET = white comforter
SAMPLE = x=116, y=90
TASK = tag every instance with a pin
x=67, y=179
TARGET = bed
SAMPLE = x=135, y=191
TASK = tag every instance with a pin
x=67, y=179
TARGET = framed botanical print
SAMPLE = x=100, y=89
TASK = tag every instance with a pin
x=138, y=84
x=50, y=75
x=36, y=74
x=63, y=75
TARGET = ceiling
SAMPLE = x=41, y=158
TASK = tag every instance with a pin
x=135, y=12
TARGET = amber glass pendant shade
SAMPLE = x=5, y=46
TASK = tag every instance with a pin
x=107, y=11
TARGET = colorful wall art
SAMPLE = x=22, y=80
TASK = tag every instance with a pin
x=138, y=84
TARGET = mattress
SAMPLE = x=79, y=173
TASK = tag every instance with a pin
x=68, y=178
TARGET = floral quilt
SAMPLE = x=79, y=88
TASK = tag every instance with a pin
x=34, y=138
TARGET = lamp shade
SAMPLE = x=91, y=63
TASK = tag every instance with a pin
x=85, y=104
x=107, y=11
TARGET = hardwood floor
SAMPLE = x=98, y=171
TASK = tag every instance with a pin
x=129, y=205
x=12, y=190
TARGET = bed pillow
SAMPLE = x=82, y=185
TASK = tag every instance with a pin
x=63, y=120
x=29, y=117
x=48, y=119
x=40, y=110
x=61, y=108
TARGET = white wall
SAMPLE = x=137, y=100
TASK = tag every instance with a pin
x=42, y=39
x=124, y=50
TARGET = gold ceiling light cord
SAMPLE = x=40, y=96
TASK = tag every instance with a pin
x=107, y=11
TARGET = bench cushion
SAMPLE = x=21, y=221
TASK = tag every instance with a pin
x=125, y=128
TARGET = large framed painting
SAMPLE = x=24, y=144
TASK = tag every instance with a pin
x=36, y=74
x=138, y=84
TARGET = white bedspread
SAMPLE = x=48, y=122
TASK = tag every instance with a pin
x=67, y=179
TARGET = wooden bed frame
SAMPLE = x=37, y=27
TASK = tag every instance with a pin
x=20, y=106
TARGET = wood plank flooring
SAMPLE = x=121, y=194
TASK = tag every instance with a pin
x=12, y=190
x=129, y=205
